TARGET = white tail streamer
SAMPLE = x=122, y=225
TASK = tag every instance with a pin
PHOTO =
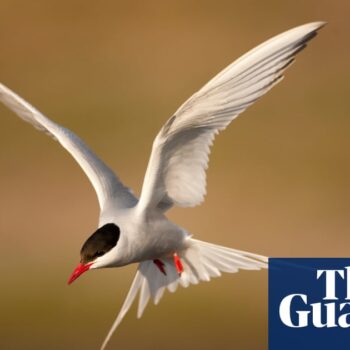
x=201, y=262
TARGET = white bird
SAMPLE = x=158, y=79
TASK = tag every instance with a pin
x=132, y=230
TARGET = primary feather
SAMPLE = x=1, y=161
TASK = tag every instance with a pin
x=176, y=172
x=108, y=187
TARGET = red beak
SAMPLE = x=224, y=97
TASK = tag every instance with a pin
x=80, y=269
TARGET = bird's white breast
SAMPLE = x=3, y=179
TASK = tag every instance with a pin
x=143, y=237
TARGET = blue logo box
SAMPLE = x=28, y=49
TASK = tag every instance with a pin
x=309, y=304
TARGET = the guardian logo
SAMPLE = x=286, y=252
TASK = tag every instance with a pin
x=321, y=310
x=309, y=304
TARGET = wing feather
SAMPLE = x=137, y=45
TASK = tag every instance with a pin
x=108, y=187
x=176, y=172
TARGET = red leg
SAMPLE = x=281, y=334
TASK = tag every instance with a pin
x=160, y=266
x=178, y=264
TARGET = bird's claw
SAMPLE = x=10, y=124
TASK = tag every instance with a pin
x=160, y=265
x=178, y=264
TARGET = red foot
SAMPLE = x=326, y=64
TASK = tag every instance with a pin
x=160, y=266
x=178, y=264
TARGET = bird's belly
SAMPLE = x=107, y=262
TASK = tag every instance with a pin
x=150, y=246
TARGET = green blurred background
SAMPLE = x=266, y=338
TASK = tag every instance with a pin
x=113, y=72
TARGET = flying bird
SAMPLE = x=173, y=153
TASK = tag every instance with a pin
x=136, y=230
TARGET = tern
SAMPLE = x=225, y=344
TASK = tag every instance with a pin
x=132, y=230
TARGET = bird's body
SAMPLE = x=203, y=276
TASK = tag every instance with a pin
x=146, y=237
x=133, y=230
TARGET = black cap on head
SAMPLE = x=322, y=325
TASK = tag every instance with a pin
x=99, y=243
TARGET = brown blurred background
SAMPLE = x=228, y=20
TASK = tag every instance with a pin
x=113, y=72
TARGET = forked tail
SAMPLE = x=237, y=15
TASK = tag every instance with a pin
x=201, y=261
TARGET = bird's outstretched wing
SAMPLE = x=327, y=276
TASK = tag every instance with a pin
x=176, y=170
x=108, y=187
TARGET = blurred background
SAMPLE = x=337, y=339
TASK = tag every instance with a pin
x=113, y=72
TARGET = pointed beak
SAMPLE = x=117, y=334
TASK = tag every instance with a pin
x=80, y=269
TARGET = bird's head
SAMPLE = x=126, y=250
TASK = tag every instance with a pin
x=94, y=250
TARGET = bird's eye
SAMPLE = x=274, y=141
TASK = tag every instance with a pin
x=97, y=254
